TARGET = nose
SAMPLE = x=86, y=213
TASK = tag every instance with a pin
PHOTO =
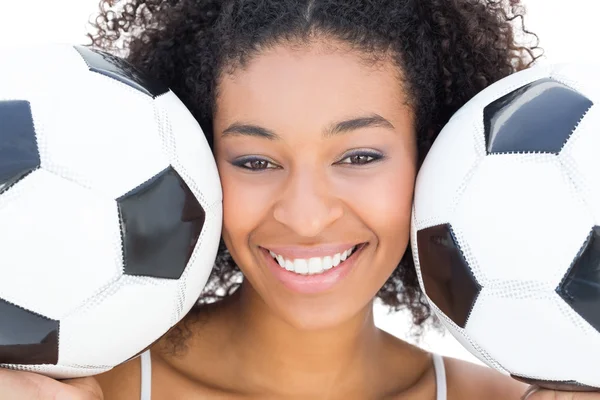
x=307, y=205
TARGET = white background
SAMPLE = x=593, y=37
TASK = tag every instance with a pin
x=568, y=31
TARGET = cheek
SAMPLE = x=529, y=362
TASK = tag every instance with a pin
x=384, y=204
x=245, y=204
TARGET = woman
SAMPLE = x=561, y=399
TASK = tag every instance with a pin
x=319, y=113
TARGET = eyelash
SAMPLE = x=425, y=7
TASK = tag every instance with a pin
x=371, y=156
x=246, y=162
x=242, y=163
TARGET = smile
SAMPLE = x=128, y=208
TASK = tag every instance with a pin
x=313, y=265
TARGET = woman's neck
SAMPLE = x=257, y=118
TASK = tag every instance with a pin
x=244, y=347
x=276, y=355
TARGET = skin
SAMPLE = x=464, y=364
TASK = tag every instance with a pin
x=266, y=341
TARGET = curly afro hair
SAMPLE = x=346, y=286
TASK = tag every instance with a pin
x=447, y=50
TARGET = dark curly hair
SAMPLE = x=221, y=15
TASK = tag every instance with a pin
x=447, y=50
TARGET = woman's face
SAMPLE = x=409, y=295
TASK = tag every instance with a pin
x=316, y=153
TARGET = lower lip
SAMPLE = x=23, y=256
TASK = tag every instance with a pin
x=312, y=284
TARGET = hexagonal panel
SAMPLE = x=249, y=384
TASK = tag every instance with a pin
x=111, y=152
x=448, y=280
x=142, y=309
x=161, y=221
x=202, y=260
x=18, y=145
x=538, y=117
x=455, y=152
x=467, y=342
x=522, y=218
x=117, y=68
x=27, y=337
x=553, y=385
x=57, y=237
x=507, y=321
x=580, y=287
x=188, y=150
x=579, y=159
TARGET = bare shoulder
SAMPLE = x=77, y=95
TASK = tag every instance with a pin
x=466, y=381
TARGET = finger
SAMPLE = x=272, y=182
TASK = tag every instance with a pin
x=532, y=389
x=25, y=385
x=559, y=395
x=29, y=386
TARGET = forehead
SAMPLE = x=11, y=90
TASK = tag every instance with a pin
x=310, y=85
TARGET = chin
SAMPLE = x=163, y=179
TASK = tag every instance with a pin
x=306, y=315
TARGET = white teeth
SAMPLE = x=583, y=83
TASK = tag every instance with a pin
x=300, y=266
x=314, y=265
x=336, y=260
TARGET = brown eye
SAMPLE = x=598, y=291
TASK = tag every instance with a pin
x=360, y=159
x=254, y=163
x=257, y=164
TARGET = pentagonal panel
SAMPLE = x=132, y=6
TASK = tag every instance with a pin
x=580, y=288
x=119, y=322
x=522, y=220
x=507, y=322
x=448, y=280
x=188, y=149
x=161, y=221
x=538, y=117
x=18, y=145
x=119, y=69
x=26, y=337
x=57, y=237
x=111, y=150
x=501, y=88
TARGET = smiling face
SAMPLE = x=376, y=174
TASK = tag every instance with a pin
x=317, y=158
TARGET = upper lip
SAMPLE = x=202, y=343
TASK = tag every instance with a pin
x=293, y=252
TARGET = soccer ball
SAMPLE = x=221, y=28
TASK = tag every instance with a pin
x=110, y=210
x=506, y=225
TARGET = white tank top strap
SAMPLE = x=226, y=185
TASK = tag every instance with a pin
x=146, y=369
x=440, y=377
x=146, y=364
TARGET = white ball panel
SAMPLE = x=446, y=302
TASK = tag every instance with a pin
x=45, y=217
x=465, y=340
x=531, y=337
x=582, y=164
x=29, y=78
x=139, y=309
x=59, y=371
x=444, y=172
x=188, y=149
x=84, y=117
x=512, y=216
x=414, y=246
x=201, y=262
x=582, y=77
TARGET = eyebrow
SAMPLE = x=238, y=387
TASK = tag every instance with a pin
x=349, y=125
